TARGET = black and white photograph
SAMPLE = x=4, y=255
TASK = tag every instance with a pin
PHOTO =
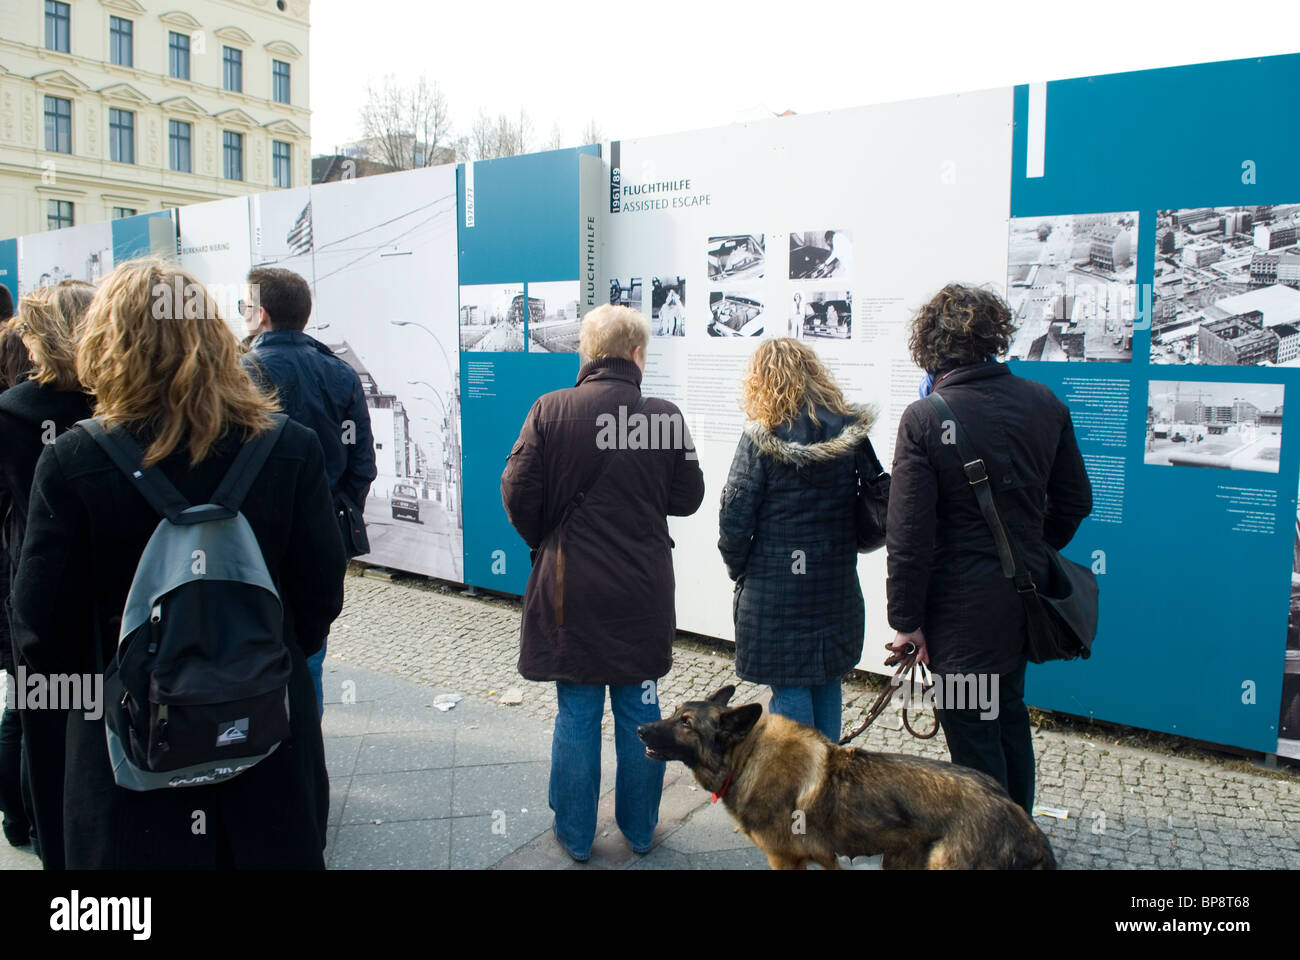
x=492, y=317
x=737, y=257
x=821, y=314
x=554, y=318
x=1072, y=287
x=736, y=313
x=625, y=293
x=79, y=253
x=385, y=295
x=818, y=254
x=1225, y=426
x=1288, y=723
x=281, y=231
x=668, y=306
x=1227, y=286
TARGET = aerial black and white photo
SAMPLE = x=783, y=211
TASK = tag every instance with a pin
x=1072, y=286
x=553, y=321
x=815, y=254
x=668, y=306
x=1227, y=286
x=1228, y=426
x=492, y=317
x=736, y=257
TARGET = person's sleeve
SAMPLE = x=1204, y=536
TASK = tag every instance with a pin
x=738, y=513
x=315, y=563
x=910, y=528
x=52, y=602
x=361, y=470
x=1069, y=492
x=523, y=483
x=688, y=479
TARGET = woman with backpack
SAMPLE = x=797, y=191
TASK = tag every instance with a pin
x=48, y=400
x=788, y=536
x=165, y=371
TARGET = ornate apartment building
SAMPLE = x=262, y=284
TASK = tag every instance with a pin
x=110, y=108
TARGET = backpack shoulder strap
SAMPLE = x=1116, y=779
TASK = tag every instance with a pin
x=977, y=474
x=248, y=464
x=153, y=485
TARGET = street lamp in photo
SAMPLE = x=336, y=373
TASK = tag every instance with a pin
x=415, y=323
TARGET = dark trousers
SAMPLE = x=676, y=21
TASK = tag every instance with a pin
x=1001, y=746
x=11, y=765
x=45, y=735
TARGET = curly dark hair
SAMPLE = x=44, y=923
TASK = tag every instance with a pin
x=959, y=326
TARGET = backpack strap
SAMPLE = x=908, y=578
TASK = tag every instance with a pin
x=977, y=474
x=248, y=464
x=122, y=449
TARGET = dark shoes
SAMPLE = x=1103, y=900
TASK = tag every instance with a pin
x=18, y=833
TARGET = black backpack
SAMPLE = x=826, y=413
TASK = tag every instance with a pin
x=197, y=691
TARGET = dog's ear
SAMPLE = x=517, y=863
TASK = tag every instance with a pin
x=738, y=722
x=720, y=696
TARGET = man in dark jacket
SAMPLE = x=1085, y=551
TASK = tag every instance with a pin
x=315, y=388
x=589, y=485
x=947, y=593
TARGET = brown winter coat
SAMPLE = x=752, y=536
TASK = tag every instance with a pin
x=599, y=605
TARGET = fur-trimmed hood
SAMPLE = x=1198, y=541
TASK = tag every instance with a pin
x=795, y=444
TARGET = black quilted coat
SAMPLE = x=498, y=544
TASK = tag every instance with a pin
x=787, y=537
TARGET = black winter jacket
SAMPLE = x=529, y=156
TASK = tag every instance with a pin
x=320, y=391
x=86, y=530
x=789, y=543
x=944, y=572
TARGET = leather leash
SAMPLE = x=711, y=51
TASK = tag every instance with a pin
x=907, y=668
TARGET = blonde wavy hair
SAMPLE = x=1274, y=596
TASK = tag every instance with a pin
x=50, y=321
x=156, y=353
x=784, y=377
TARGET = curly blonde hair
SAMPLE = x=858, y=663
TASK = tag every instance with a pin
x=784, y=377
x=49, y=321
x=155, y=351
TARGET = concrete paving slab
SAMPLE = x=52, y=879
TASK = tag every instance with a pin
x=415, y=795
x=410, y=845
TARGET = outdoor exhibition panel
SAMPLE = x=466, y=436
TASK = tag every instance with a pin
x=1155, y=279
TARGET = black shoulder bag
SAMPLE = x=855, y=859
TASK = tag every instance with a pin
x=1062, y=617
x=872, y=506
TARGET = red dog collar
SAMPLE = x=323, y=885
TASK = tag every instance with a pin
x=723, y=792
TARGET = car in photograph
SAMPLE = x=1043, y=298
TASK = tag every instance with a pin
x=732, y=258
x=805, y=258
x=405, y=502
x=736, y=316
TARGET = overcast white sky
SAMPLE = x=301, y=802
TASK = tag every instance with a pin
x=644, y=68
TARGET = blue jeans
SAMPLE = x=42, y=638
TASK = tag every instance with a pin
x=575, y=765
x=315, y=666
x=819, y=707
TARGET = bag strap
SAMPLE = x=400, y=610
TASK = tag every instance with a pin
x=867, y=450
x=160, y=492
x=977, y=475
x=152, y=484
x=248, y=464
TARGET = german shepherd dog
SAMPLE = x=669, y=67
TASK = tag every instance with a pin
x=801, y=798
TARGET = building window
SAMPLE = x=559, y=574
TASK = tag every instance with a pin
x=57, y=16
x=232, y=155
x=58, y=213
x=58, y=125
x=119, y=42
x=280, y=81
x=178, y=149
x=232, y=69
x=121, y=213
x=280, y=163
x=178, y=55
x=121, y=136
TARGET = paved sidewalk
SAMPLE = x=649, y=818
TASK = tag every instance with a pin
x=415, y=787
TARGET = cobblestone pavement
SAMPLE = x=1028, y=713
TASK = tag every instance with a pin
x=1128, y=807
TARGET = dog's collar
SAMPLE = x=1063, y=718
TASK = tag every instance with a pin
x=723, y=792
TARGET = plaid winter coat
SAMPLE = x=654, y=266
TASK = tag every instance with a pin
x=788, y=539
